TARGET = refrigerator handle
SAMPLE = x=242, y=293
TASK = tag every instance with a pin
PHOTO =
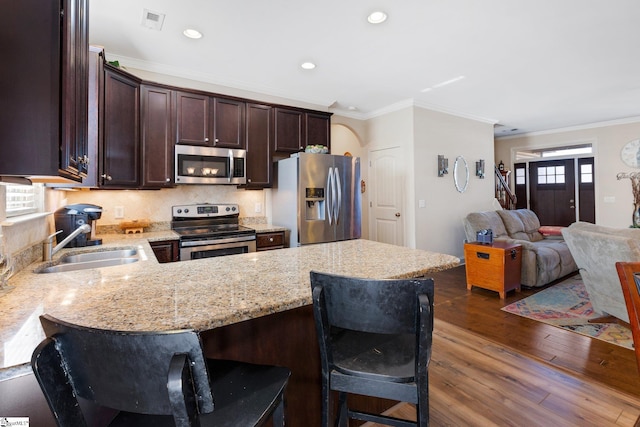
x=329, y=195
x=338, y=203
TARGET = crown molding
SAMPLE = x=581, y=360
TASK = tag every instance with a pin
x=184, y=73
x=616, y=122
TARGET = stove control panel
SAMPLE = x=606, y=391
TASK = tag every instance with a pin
x=205, y=210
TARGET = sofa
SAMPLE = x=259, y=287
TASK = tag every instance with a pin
x=545, y=258
x=596, y=250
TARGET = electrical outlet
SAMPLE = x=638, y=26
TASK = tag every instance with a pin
x=422, y=203
x=119, y=212
x=258, y=207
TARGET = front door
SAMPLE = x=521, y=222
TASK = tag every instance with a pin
x=552, y=191
x=386, y=220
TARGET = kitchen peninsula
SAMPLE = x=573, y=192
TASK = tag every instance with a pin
x=254, y=306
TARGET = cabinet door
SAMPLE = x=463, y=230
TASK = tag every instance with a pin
x=192, y=119
x=228, y=123
x=33, y=105
x=120, y=149
x=289, y=130
x=166, y=250
x=318, y=127
x=156, y=138
x=259, y=135
x=269, y=241
x=75, y=81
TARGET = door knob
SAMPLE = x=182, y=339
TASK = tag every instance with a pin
x=397, y=214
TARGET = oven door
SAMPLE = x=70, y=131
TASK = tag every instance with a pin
x=209, y=165
x=189, y=251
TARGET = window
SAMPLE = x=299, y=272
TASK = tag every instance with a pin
x=23, y=199
x=520, y=178
x=586, y=173
x=551, y=175
x=568, y=151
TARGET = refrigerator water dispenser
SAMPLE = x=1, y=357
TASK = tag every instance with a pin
x=315, y=204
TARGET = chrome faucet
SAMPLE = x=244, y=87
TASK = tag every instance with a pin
x=48, y=250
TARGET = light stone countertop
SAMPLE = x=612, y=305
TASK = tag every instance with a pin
x=199, y=294
x=266, y=228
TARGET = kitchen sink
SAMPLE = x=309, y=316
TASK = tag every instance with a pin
x=99, y=256
x=84, y=261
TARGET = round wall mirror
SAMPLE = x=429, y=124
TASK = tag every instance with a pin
x=461, y=174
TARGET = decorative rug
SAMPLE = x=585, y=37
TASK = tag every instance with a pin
x=567, y=306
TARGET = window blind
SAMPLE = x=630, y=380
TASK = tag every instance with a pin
x=22, y=199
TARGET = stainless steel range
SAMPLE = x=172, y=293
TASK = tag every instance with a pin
x=209, y=230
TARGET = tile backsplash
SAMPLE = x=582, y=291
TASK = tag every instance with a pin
x=155, y=205
x=23, y=239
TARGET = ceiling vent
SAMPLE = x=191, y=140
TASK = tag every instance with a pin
x=153, y=20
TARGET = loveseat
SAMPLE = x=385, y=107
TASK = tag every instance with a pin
x=545, y=258
x=596, y=250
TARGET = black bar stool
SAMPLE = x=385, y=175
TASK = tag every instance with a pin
x=375, y=340
x=152, y=379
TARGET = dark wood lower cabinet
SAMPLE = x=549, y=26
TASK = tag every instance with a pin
x=268, y=241
x=166, y=250
x=284, y=339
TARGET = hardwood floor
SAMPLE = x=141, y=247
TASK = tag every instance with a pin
x=492, y=368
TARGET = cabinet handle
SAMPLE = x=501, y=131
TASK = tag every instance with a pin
x=248, y=179
x=206, y=140
x=105, y=176
x=168, y=179
x=271, y=239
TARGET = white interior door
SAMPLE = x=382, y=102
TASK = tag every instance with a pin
x=386, y=223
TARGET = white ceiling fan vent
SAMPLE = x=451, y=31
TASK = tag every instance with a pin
x=153, y=20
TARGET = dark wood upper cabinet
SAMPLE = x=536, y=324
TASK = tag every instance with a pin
x=259, y=137
x=228, y=123
x=289, y=130
x=318, y=129
x=156, y=137
x=192, y=119
x=208, y=120
x=43, y=107
x=120, y=151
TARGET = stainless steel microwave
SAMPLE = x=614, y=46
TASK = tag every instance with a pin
x=209, y=165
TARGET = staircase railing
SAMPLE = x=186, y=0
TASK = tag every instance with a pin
x=504, y=194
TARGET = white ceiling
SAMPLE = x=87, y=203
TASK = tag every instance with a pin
x=529, y=65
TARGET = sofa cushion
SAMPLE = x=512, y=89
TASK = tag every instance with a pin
x=521, y=224
x=477, y=221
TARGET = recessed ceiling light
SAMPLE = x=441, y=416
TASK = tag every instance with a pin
x=308, y=65
x=192, y=34
x=377, y=17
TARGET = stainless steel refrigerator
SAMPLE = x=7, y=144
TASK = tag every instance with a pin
x=318, y=198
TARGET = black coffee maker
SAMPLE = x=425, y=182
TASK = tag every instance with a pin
x=70, y=217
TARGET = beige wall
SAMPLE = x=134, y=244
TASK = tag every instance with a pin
x=421, y=135
x=614, y=201
x=396, y=130
x=439, y=224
